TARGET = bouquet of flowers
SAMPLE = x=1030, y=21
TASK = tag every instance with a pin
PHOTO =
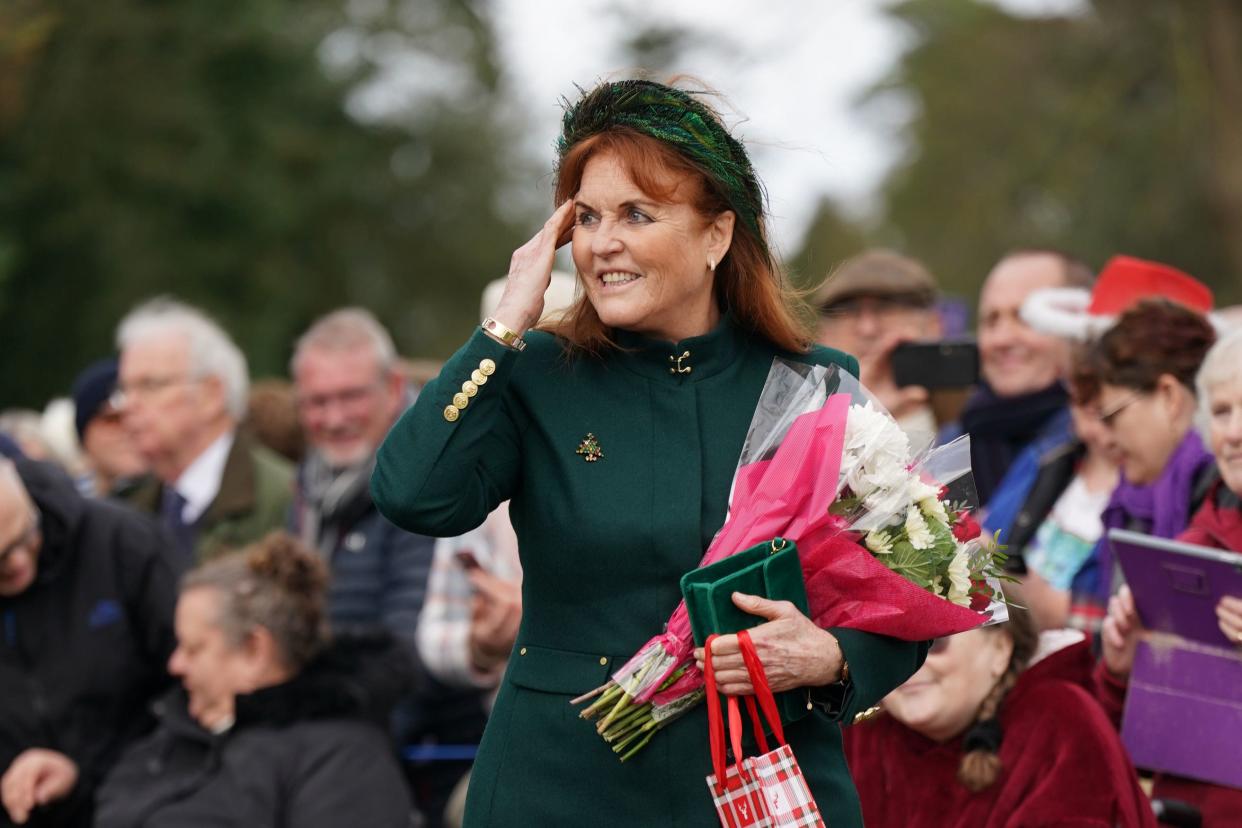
x=886, y=539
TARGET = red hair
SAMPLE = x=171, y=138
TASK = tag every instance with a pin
x=748, y=283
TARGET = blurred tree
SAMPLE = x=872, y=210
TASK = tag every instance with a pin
x=1119, y=130
x=830, y=239
x=203, y=148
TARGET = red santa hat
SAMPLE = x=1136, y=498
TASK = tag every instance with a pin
x=1079, y=314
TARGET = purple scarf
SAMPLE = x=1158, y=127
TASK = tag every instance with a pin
x=1160, y=508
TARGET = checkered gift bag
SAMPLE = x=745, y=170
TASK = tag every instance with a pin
x=764, y=791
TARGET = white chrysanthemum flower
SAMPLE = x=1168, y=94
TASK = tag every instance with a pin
x=959, y=578
x=871, y=434
x=934, y=509
x=916, y=529
x=879, y=542
x=919, y=490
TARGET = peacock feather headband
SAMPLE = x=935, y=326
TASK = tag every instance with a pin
x=678, y=119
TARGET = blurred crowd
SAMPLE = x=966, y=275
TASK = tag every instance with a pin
x=206, y=619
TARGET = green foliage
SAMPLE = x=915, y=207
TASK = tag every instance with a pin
x=199, y=148
x=1117, y=131
x=916, y=566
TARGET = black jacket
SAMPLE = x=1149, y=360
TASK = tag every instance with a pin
x=83, y=650
x=310, y=753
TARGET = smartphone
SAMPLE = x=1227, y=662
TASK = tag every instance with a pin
x=467, y=560
x=949, y=363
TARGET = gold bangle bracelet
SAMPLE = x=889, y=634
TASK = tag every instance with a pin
x=509, y=337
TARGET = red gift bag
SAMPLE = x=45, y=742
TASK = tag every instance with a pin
x=765, y=791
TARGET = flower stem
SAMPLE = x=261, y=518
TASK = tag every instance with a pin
x=597, y=691
x=638, y=746
x=607, y=700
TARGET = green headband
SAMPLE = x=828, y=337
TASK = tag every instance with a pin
x=676, y=118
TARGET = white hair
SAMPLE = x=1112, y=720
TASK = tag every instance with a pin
x=10, y=479
x=212, y=351
x=344, y=330
x=1222, y=363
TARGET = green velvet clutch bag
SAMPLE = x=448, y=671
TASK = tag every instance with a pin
x=770, y=570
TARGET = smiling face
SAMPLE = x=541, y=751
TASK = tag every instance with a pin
x=347, y=401
x=1224, y=406
x=1014, y=358
x=644, y=262
x=1148, y=426
x=943, y=698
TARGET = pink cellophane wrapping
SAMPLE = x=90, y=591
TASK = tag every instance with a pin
x=788, y=477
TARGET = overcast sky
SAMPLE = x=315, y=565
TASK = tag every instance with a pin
x=793, y=68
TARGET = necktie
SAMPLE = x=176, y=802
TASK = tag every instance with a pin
x=172, y=513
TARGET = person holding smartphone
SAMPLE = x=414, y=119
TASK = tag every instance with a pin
x=869, y=306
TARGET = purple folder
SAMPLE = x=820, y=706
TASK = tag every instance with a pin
x=1184, y=706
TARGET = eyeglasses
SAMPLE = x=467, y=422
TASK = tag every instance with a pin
x=27, y=539
x=1108, y=418
x=347, y=398
x=146, y=387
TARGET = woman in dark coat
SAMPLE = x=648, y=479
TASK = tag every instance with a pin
x=274, y=726
x=615, y=434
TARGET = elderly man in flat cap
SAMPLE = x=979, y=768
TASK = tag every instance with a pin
x=867, y=307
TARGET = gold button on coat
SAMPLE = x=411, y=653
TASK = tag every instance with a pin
x=461, y=400
x=522, y=651
x=603, y=660
x=478, y=377
x=487, y=367
x=451, y=413
x=469, y=388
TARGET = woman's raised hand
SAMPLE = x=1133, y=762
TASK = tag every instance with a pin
x=794, y=652
x=530, y=272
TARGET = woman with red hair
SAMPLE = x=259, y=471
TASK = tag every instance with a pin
x=615, y=434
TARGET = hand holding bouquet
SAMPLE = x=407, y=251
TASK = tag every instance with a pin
x=886, y=540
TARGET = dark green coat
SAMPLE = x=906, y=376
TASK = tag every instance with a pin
x=603, y=546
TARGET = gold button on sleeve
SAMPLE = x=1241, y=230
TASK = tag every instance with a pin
x=522, y=651
x=603, y=660
x=461, y=400
x=478, y=377
x=469, y=388
x=487, y=367
x=451, y=413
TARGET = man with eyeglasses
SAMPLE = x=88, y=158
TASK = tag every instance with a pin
x=86, y=627
x=183, y=388
x=349, y=393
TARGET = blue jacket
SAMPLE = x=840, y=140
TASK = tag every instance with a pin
x=1010, y=496
x=379, y=580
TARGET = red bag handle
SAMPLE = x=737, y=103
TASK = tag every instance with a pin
x=716, y=716
x=763, y=690
x=715, y=721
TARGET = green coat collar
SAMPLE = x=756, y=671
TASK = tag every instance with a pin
x=689, y=360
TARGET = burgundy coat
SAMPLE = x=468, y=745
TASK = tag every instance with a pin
x=1062, y=764
x=1218, y=523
